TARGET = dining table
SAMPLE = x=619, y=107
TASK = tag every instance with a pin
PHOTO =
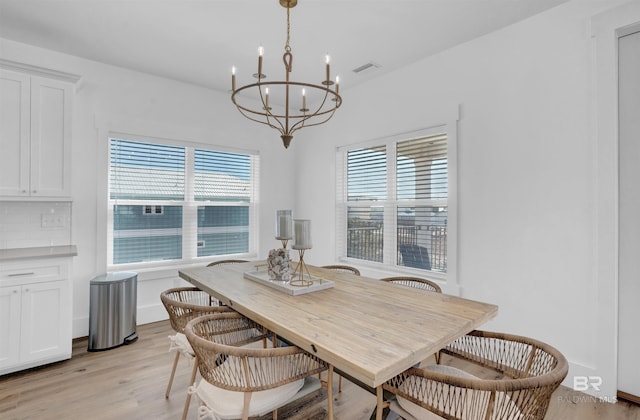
x=366, y=329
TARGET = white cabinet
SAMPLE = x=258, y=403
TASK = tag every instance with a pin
x=35, y=136
x=9, y=326
x=35, y=313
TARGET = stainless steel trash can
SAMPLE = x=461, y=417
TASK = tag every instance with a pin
x=112, y=310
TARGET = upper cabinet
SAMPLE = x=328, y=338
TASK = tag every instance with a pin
x=35, y=136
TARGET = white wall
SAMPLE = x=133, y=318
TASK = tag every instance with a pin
x=109, y=98
x=527, y=174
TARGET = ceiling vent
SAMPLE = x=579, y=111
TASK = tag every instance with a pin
x=367, y=66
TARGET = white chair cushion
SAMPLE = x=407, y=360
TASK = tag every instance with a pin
x=227, y=404
x=420, y=413
x=180, y=343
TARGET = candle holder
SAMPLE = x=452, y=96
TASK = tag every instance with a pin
x=302, y=230
x=284, y=227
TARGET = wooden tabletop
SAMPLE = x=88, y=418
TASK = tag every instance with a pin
x=369, y=329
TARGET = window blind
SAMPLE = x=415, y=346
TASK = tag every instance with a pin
x=396, y=203
x=158, y=214
x=222, y=176
x=421, y=178
x=146, y=171
x=367, y=174
x=367, y=186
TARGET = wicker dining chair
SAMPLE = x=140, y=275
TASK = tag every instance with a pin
x=184, y=304
x=225, y=262
x=240, y=381
x=524, y=374
x=416, y=282
x=343, y=269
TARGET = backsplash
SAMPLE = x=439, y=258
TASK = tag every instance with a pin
x=30, y=224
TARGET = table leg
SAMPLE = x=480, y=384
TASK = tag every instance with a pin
x=380, y=405
x=330, y=392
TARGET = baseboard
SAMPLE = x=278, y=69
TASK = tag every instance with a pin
x=144, y=315
x=151, y=313
x=629, y=397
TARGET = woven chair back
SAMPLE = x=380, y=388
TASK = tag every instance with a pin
x=186, y=303
x=343, y=269
x=416, y=282
x=217, y=339
x=528, y=373
x=225, y=262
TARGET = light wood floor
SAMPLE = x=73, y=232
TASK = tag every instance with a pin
x=129, y=383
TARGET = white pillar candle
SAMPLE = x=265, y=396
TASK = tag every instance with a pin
x=302, y=230
x=283, y=224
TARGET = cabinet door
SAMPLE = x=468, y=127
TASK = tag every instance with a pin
x=50, y=138
x=14, y=133
x=46, y=313
x=9, y=325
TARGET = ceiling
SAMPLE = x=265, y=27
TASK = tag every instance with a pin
x=198, y=41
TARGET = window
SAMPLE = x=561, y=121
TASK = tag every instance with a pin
x=177, y=203
x=393, y=202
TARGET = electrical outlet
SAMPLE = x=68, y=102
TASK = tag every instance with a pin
x=53, y=221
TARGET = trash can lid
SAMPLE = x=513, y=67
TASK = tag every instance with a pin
x=115, y=277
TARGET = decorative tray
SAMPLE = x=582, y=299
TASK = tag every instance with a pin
x=312, y=284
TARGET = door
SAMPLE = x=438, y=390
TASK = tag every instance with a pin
x=9, y=326
x=44, y=313
x=50, y=138
x=629, y=217
x=14, y=133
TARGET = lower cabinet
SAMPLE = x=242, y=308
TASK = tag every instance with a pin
x=35, y=314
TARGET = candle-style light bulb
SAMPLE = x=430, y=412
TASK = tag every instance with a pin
x=266, y=105
x=260, y=53
x=337, y=84
x=327, y=59
x=233, y=78
x=304, y=101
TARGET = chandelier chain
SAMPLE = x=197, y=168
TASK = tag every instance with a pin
x=287, y=47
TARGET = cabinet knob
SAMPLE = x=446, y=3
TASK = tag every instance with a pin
x=24, y=191
x=34, y=191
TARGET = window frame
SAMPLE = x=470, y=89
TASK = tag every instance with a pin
x=189, y=205
x=389, y=264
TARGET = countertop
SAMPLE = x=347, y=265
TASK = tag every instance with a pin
x=14, y=254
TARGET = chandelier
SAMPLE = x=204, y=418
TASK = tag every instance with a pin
x=288, y=111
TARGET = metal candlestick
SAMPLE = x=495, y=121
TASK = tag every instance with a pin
x=302, y=234
x=301, y=268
